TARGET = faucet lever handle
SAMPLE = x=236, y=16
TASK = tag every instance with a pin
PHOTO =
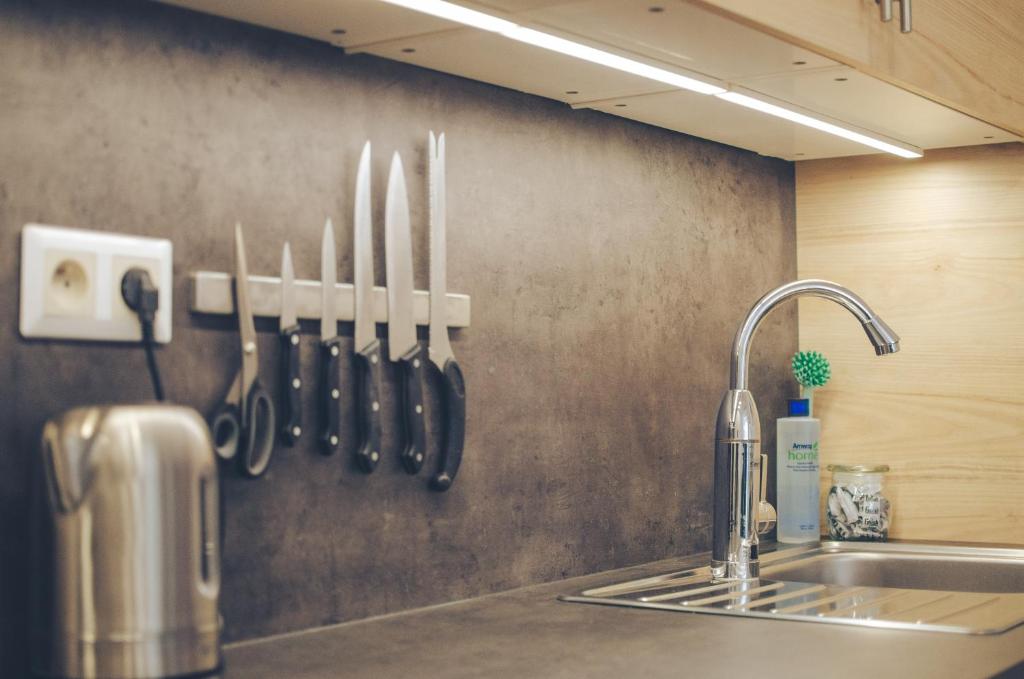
x=766, y=515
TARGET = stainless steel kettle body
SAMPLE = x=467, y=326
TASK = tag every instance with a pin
x=126, y=556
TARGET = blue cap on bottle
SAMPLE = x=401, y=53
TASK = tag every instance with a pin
x=799, y=407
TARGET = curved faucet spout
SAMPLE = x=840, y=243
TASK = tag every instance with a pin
x=881, y=335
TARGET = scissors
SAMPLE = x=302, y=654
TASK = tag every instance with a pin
x=244, y=425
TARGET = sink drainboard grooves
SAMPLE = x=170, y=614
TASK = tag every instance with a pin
x=785, y=597
x=817, y=603
x=695, y=591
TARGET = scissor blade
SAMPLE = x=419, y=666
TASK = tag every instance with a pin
x=328, y=281
x=288, y=314
x=440, y=347
x=365, y=332
x=398, y=261
x=245, y=323
x=246, y=327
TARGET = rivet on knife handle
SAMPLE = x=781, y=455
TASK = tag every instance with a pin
x=413, y=416
x=368, y=361
x=291, y=386
x=454, y=396
x=330, y=393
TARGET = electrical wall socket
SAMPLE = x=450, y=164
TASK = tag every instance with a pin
x=71, y=283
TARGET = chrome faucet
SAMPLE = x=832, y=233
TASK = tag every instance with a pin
x=740, y=510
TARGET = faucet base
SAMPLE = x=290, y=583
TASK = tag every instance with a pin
x=736, y=570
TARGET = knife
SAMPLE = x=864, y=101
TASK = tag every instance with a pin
x=367, y=346
x=291, y=381
x=453, y=385
x=330, y=345
x=402, y=345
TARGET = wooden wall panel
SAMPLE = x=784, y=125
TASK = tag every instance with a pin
x=936, y=246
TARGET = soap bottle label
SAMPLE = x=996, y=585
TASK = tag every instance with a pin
x=797, y=484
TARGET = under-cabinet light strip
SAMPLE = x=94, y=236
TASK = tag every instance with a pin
x=457, y=13
x=512, y=30
x=487, y=22
x=619, y=63
x=810, y=121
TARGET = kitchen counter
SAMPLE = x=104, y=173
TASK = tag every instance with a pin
x=529, y=633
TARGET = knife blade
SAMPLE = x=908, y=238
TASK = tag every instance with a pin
x=402, y=345
x=453, y=386
x=291, y=380
x=367, y=346
x=330, y=345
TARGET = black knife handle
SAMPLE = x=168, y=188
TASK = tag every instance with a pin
x=330, y=395
x=368, y=363
x=454, y=394
x=413, y=416
x=291, y=386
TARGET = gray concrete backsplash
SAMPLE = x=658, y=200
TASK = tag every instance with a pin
x=609, y=265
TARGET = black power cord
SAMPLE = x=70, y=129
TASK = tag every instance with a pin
x=142, y=297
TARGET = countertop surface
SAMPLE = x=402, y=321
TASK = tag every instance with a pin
x=529, y=633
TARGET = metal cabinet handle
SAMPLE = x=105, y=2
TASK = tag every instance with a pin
x=905, y=18
x=885, y=9
x=885, y=12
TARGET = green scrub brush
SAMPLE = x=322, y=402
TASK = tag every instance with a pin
x=811, y=370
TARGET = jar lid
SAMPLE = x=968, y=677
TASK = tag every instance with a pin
x=859, y=468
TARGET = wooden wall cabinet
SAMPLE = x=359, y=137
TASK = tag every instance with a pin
x=689, y=36
x=966, y=55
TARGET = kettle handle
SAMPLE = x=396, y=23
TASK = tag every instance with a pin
x=209, y=534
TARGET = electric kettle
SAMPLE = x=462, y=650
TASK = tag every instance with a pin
x=125, y=545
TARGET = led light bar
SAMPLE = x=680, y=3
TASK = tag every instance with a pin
x=487, y=22
x=596, y=56
x=809, y=121
x=456, y=13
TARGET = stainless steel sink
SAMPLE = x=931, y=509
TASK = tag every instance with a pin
x=906, y=566
x=935, y=587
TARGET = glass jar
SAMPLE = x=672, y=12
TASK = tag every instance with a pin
x=856, y=508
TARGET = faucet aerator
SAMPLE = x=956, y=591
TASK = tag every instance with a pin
x=888, y=348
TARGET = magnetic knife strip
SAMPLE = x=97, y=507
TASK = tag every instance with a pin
x=212, y=294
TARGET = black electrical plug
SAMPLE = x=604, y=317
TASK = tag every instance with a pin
x=143, y=298
x=140, y=294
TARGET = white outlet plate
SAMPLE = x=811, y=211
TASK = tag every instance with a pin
x=71, y=283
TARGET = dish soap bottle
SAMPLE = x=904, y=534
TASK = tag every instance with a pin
x=797, y=473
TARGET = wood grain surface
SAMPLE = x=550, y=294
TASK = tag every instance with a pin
x=966, y=55
x=936, y=247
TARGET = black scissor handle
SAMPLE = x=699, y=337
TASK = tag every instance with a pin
x=259, y=430
x=226, y=429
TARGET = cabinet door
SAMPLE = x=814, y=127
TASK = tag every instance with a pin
x=966, y=55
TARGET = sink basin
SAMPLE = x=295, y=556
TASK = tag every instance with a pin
x=935, y=587
x=934, y=567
